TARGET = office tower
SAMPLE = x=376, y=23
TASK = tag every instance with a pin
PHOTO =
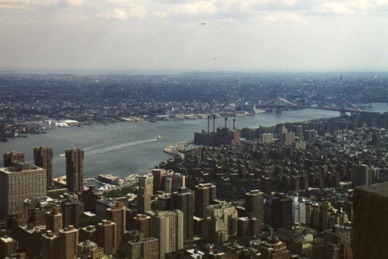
x=184, y=200
x=146, y=189
x=67, y=243
x=72, y=209
x=19, y=182
x=43, y=158
x=12, y=157
x=74, y=169
x=117, y=215
x=49, y=244
x=106, y=236
x=254, y=205
x=158, y=177
x=8, y=246
x=142, y=224
x=54, y=221
x=205, y=194
x=167, y=227
x=281, y=212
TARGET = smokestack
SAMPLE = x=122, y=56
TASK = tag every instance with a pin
x=226, y=119
x=234, y=124
x=214, y=123
x=208, y=124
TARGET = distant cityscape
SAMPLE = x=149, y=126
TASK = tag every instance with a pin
x=293, y=190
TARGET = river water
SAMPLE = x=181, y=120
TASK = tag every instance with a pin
x=125, y=148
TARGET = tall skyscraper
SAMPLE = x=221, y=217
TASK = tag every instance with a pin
x=12, y=157
x=117, y=215
x=49, y=244
x=142, y=224
x=106, y=236
x=184, y=200
x=205, y=194
x=43, y=158
x=254, y=205
x=167, y=227
x=158, y=178
x=74, y=169
x=72, y=209
x=146, y=189
x=68, y=240
x=281, y=212
x=19, y=182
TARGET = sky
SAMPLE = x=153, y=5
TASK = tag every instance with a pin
x=192, y=35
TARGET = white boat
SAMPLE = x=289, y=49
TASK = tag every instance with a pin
x=157, y=138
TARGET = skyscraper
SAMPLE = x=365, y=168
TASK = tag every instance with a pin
x=106, y=236
x=43, y=158
x=74, y=169
x=184, y=201
x=117, y=215
x=68, y=240
x=205, y=194
x=142, y=224
x=146, y=189
x=167, y=226
x=254, y=205
x=19, y=182
x=11, y=157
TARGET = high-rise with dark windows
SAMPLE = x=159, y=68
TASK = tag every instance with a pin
x=74, y=169
x=43, y=158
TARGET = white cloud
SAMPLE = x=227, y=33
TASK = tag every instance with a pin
x=74, y=2
x=285, y=17
x=117, y=14
x=193, y=9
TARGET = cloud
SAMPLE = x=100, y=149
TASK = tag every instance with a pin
x=116, y=14
x=74, y=2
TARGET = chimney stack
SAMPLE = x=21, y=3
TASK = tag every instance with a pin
x=226, y=119
x=234, y=124
x=214, y=123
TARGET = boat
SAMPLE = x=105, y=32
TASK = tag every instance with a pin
x=157, y=137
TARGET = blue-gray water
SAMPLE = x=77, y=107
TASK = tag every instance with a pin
x=125, y=148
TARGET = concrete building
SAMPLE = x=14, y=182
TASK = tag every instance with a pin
x=89, y=250
x=67, y=243
x=54, y=221
x=142, y=247
x=118, y=216
x=143, y=224
x=254, y=205
x=19, y=182
x=43, y=158
x=205, y=194
x=74, y=169
x=184, y=200
x=146, y=189
x=167, y=227
x=106, y=236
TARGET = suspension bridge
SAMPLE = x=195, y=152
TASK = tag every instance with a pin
x=278, y=104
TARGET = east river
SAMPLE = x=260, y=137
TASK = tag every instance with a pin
x=126, y=148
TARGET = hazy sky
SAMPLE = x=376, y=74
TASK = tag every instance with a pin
x=209, y=35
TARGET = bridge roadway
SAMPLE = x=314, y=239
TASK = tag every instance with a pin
x=311, y=107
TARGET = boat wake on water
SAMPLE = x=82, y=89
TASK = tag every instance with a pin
x=117, y=147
